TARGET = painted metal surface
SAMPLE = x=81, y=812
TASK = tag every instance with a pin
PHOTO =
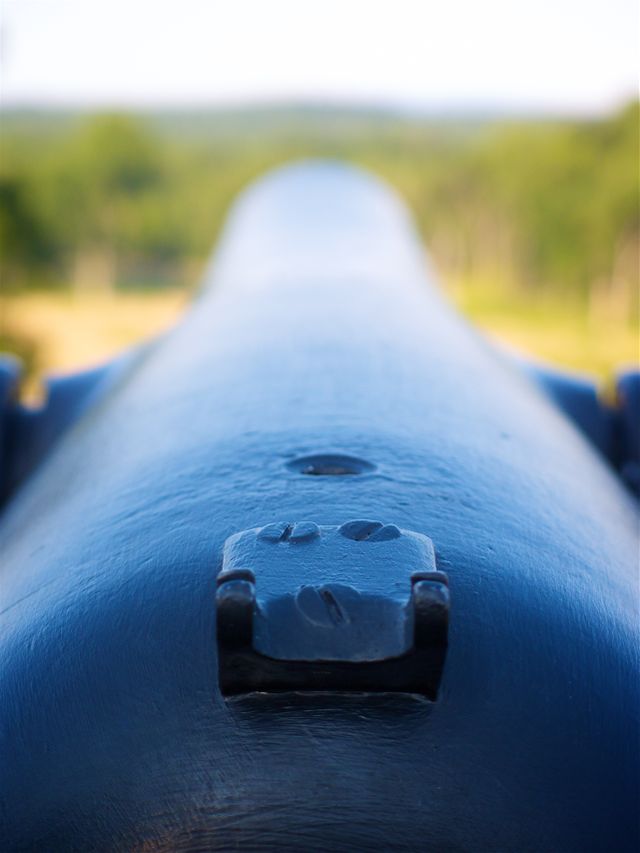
x=319, y=376
x=359, y=607
x=612, y=427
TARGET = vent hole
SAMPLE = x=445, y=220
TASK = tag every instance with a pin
x=330, y=465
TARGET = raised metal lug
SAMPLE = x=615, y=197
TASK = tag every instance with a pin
x=359, y=607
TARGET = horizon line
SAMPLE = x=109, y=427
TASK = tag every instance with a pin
x=407, y=108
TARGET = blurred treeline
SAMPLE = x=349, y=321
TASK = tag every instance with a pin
x=106, y=200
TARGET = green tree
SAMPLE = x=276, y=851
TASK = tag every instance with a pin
x=24, y=243
x=101, y=176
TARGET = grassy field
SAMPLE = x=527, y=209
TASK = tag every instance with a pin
x=66, y=331
x=61, y=332
x=599, y=339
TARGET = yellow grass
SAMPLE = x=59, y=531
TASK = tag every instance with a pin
x=68, y=331
x=598, y=337
x=73, y=330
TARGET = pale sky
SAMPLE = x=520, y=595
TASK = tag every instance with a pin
x=548, y=55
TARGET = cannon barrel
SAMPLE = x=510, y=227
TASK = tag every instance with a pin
x=318, y=569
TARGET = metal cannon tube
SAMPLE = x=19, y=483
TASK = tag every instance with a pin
x=320, y=569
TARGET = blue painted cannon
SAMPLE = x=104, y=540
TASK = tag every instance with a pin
x=319, y=569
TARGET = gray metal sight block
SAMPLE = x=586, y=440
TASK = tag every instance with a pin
x=359, y=607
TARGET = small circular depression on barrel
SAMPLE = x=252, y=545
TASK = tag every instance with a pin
x=330, y=465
